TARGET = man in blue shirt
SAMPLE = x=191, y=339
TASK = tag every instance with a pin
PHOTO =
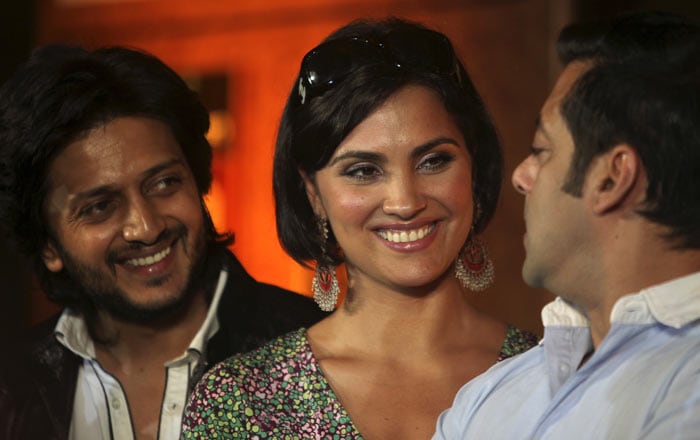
x=612, y=209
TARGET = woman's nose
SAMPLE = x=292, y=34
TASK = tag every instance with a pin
x=404, y=197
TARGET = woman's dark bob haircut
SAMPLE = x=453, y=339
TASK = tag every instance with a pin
x=314, y=124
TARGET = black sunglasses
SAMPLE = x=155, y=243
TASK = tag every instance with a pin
x=334, y=60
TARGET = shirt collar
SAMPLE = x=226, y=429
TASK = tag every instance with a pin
x=211, y=323
x=71, y=329
x=561, y=313
x=674, y=303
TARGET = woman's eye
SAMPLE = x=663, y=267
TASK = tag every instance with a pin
x=435, y=162
x=362, y=172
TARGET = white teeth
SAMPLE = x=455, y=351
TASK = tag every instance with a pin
x=151, y=259
x=406, y=236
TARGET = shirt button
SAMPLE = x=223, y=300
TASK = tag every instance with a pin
x=116, y=404
x=173, y=406
x=564, y=369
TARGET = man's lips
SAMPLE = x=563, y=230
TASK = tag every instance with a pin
x=149, y=259
x=138, y=255
x=155, y=263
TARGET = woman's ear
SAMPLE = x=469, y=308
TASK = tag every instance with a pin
x=313, y=195
x=52, y=259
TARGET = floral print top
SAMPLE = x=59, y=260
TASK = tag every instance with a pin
x=279, y=392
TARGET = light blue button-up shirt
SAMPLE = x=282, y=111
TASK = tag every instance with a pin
x=643, y=381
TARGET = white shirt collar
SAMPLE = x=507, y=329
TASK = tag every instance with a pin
x=210, y=325
x=674, y=303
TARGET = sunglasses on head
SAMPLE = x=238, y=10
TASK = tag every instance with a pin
x=332, y=61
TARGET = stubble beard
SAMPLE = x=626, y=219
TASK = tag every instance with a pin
x=99, y=286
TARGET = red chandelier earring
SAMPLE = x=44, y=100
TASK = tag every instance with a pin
x=325, y=283
x=473, y=268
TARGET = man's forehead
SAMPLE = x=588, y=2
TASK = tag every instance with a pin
x=566, y=80
x=120, y=149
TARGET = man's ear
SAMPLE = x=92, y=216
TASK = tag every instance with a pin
x=52, y=259
x=615, y=179
x=313, y=195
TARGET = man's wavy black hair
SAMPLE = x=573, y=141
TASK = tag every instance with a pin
x=60, y=93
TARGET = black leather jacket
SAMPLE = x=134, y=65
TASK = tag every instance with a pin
x=37, y=383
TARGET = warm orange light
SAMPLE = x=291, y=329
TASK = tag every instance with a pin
x=216, y=204
x=221, y=129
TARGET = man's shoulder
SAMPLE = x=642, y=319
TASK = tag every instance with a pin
x=37, y=382
x=37, y=352
x=252, y=313
x=34, y=342
x=243, y=292
x=502, y=389
x=524, y=370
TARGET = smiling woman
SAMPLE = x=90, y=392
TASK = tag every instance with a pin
x=386, y=160
x=397, y=194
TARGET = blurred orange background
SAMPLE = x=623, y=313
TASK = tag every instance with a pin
x=243, y=56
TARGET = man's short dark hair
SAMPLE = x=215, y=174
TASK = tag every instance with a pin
x=643, y=89
x=63, y=91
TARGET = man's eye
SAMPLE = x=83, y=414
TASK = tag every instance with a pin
x=165, y=183
x=536, y=151
x=96, y=209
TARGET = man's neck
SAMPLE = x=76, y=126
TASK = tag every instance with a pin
x=139, y=343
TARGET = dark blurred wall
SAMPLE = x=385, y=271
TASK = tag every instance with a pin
x=17, y=34
x=590, y=9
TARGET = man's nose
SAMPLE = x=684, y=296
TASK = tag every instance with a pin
x=143, y=222
x=523, y=176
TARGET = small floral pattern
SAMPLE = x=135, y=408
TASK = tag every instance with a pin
x=279, y=392
x=516, y=342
